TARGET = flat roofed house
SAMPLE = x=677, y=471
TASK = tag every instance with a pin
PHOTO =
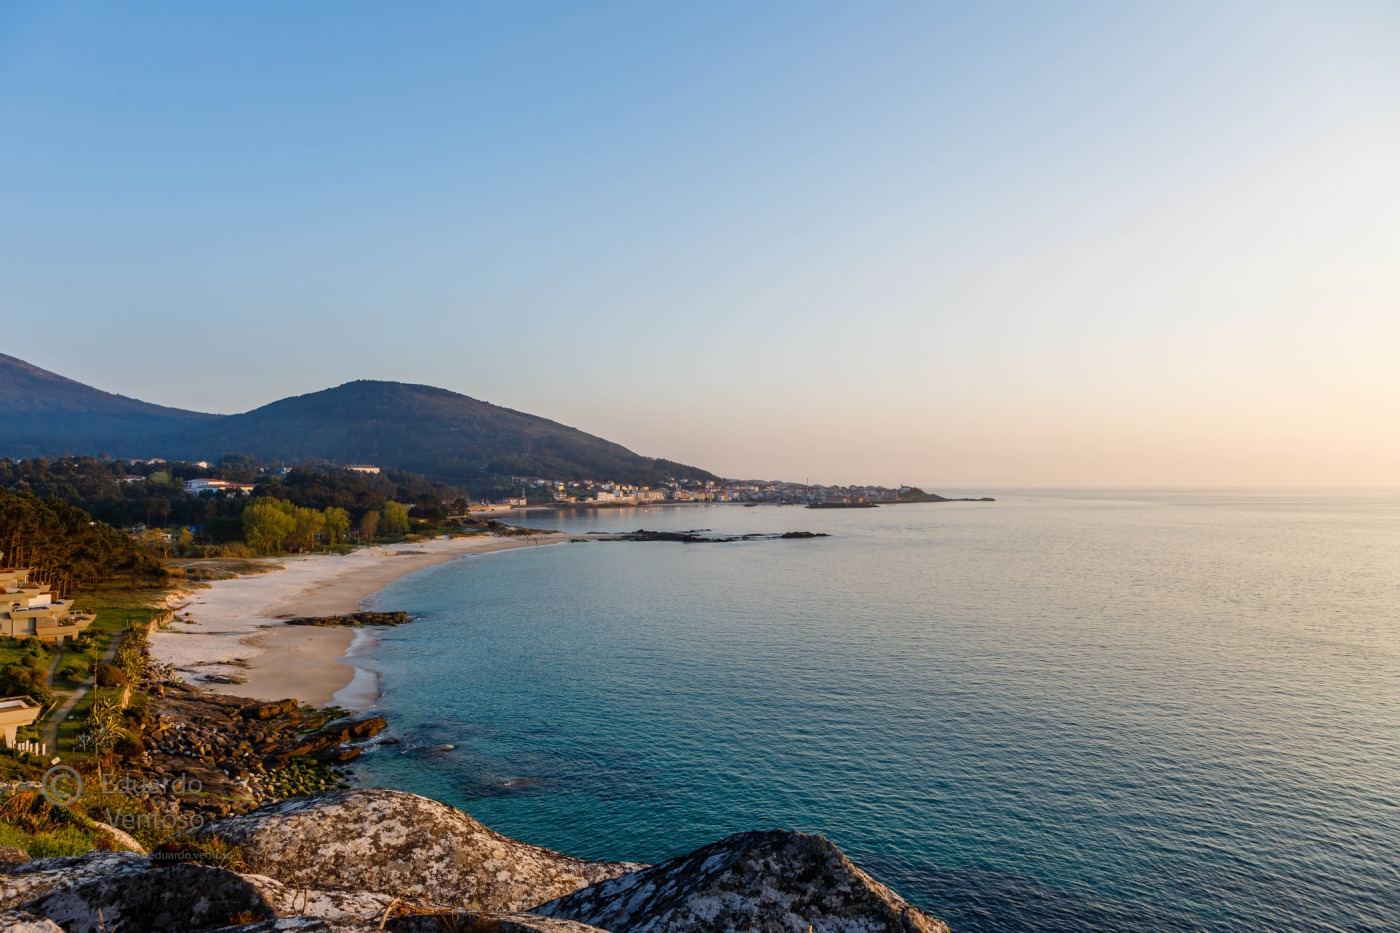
x=16, y=712
x=30, y=610
x=194, y=487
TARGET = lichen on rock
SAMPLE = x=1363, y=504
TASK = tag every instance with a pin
x=775, y=880
x=419, y=849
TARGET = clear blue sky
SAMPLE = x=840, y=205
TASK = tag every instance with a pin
x=955, y=244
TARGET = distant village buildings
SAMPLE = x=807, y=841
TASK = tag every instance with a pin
x=586, y=491
x=194, y=487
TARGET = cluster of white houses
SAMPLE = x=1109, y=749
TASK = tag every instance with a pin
x=623, y=494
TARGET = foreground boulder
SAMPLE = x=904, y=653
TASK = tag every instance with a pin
x=391, y=841
x=21, y=884
x=95, y=892
x=20, y=921
x=776, y=880
x=420, y=923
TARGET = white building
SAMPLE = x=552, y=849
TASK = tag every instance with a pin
x=194, y=487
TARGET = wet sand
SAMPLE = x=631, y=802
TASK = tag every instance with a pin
x=233, y=630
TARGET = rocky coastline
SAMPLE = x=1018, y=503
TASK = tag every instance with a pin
x=273, y=837
x=363, y=860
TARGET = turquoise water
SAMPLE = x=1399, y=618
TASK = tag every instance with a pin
x=1110, y=711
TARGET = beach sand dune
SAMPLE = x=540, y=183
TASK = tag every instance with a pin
x=234, y=630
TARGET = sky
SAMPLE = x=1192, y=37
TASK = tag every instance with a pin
x=958, y=245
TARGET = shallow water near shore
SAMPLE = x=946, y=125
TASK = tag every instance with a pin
x=1093, y=711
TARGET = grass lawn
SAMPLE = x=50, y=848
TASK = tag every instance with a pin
x=19, y=651
x=70, y=727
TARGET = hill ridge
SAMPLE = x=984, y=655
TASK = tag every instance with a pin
x=425, y=429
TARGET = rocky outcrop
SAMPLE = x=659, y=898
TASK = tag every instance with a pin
x=330, y=743
x=22, y=921
x=419, y=849
x=421, y=923
x=364, y=860
x=10, y=857
x=23, y=883
x=776, y=880
x=100, y=891
x=354, y=619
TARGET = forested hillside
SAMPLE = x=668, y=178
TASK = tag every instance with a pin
x=444, y=436
x=439, y=434
x=64, y=546
x=43, y=413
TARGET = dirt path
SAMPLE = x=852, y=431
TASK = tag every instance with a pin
x=49, y=731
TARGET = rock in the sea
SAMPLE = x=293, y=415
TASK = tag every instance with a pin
x=410, y=846
x=775, y=880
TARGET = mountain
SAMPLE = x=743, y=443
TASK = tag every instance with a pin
x=440, y=434
x=42, y=413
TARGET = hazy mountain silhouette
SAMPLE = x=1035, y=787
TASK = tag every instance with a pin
x=43, y=413
x=440, y=434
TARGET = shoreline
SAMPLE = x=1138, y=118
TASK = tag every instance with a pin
x=234, y=631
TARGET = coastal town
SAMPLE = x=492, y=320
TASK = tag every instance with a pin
x=535, y=490
x=587, y=492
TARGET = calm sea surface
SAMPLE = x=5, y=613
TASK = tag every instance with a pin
x=1116, y=711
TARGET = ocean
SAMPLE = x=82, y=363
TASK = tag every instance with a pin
x=1117, y=711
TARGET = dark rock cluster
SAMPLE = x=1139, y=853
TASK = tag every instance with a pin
x=229, y=747
x=365, y=860
x=698, y=537
x=354, y=618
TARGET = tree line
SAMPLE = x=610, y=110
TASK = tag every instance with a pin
x=64, y=547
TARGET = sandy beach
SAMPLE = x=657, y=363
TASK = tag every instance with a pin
x=233, y=628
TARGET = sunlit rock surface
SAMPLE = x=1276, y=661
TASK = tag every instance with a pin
x=416, y=848
x=776, y=880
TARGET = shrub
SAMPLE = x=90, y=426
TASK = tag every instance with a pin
x=131, y=656
x=24, y=681
x=128, y=747
x=110, y=676
x=211, y=850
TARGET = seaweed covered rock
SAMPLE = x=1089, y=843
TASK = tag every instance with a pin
x=775, y=880
x=392, y=841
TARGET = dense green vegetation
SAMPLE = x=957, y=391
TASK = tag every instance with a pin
x=42, y=413
x=24, y=668
x=63, y=545
x=304, y=508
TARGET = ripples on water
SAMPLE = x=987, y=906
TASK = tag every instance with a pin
x=1057, y=711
